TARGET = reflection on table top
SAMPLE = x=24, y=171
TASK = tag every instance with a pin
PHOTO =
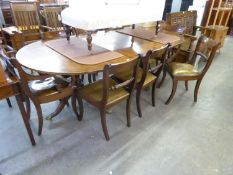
x=37, y=56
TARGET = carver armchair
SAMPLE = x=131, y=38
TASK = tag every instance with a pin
x=195, y=69
x=41, y=89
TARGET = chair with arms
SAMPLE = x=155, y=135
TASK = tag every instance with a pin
x=106, y=93
x=183, y=23
x=196, y=68
x=43, y=89
x=26, y=19
x=150, y=68
x=53, y=18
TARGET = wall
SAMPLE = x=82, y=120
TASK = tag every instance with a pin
x=176, y=5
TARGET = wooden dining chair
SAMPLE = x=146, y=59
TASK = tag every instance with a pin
x=183, y=23
x=41, y=89
x=10, y=51
x=27, y=20
x=150, y=68
x=106, y=93
x=53, y=18
x=195, y=69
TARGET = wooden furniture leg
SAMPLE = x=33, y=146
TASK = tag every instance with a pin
x=25, y=118
x=89, y=40
x=9, y=102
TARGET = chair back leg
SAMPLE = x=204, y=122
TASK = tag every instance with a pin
x=9, y=103
x=174, y=87
x=196, y=89
x=186, y=85
x=138, y=101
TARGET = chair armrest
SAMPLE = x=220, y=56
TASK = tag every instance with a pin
x=11, y=30
x=155, y=68
x=191, y=37
x=189, y=41
x=123, y=84
x=202, y=56
x=46, y=27
x=37, y=77
x=195, y=28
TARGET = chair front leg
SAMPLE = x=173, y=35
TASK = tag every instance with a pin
x=174, y=87
x=186, y=85
x=104, y=123
x=196, y=89
x=9, y=102
x=25, y=119
x=128, y=105
x=153, y=92
x=28, y=107
x=40, y=118
x=138, y=101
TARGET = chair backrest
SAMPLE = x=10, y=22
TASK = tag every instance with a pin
x=25, y=16
x=9, y=68
x=112, y=69
x=160, y=55
x=204, y=53
x=25, y=78
x=185, y=20
x=53, y=17
x=2, y=73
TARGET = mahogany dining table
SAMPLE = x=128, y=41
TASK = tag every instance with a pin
x=40, y=58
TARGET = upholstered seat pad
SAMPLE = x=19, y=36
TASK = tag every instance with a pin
x=94, y=92
x=126, y=76
x=45, y=89
x=182, y=69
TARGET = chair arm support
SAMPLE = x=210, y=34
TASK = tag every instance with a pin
x=191, y=37
x=123, y=84
x=202, y=55
x=155, y=68
x=46, y=27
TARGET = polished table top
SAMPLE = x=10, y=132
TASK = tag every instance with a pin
x=37, y=56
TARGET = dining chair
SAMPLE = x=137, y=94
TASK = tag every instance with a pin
x=52, y=17
x=150, y=68
x=106, y=93
x=195, y=69
x=5, y=65
x=3, y=70
x=183, y=23
x=41, y=89
x=27, y=20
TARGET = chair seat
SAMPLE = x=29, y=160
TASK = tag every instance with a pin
x=94, y=92
x=183, y=69
x=126, y=75
x=152, y=61
x=49, y=88
x=28, y=28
